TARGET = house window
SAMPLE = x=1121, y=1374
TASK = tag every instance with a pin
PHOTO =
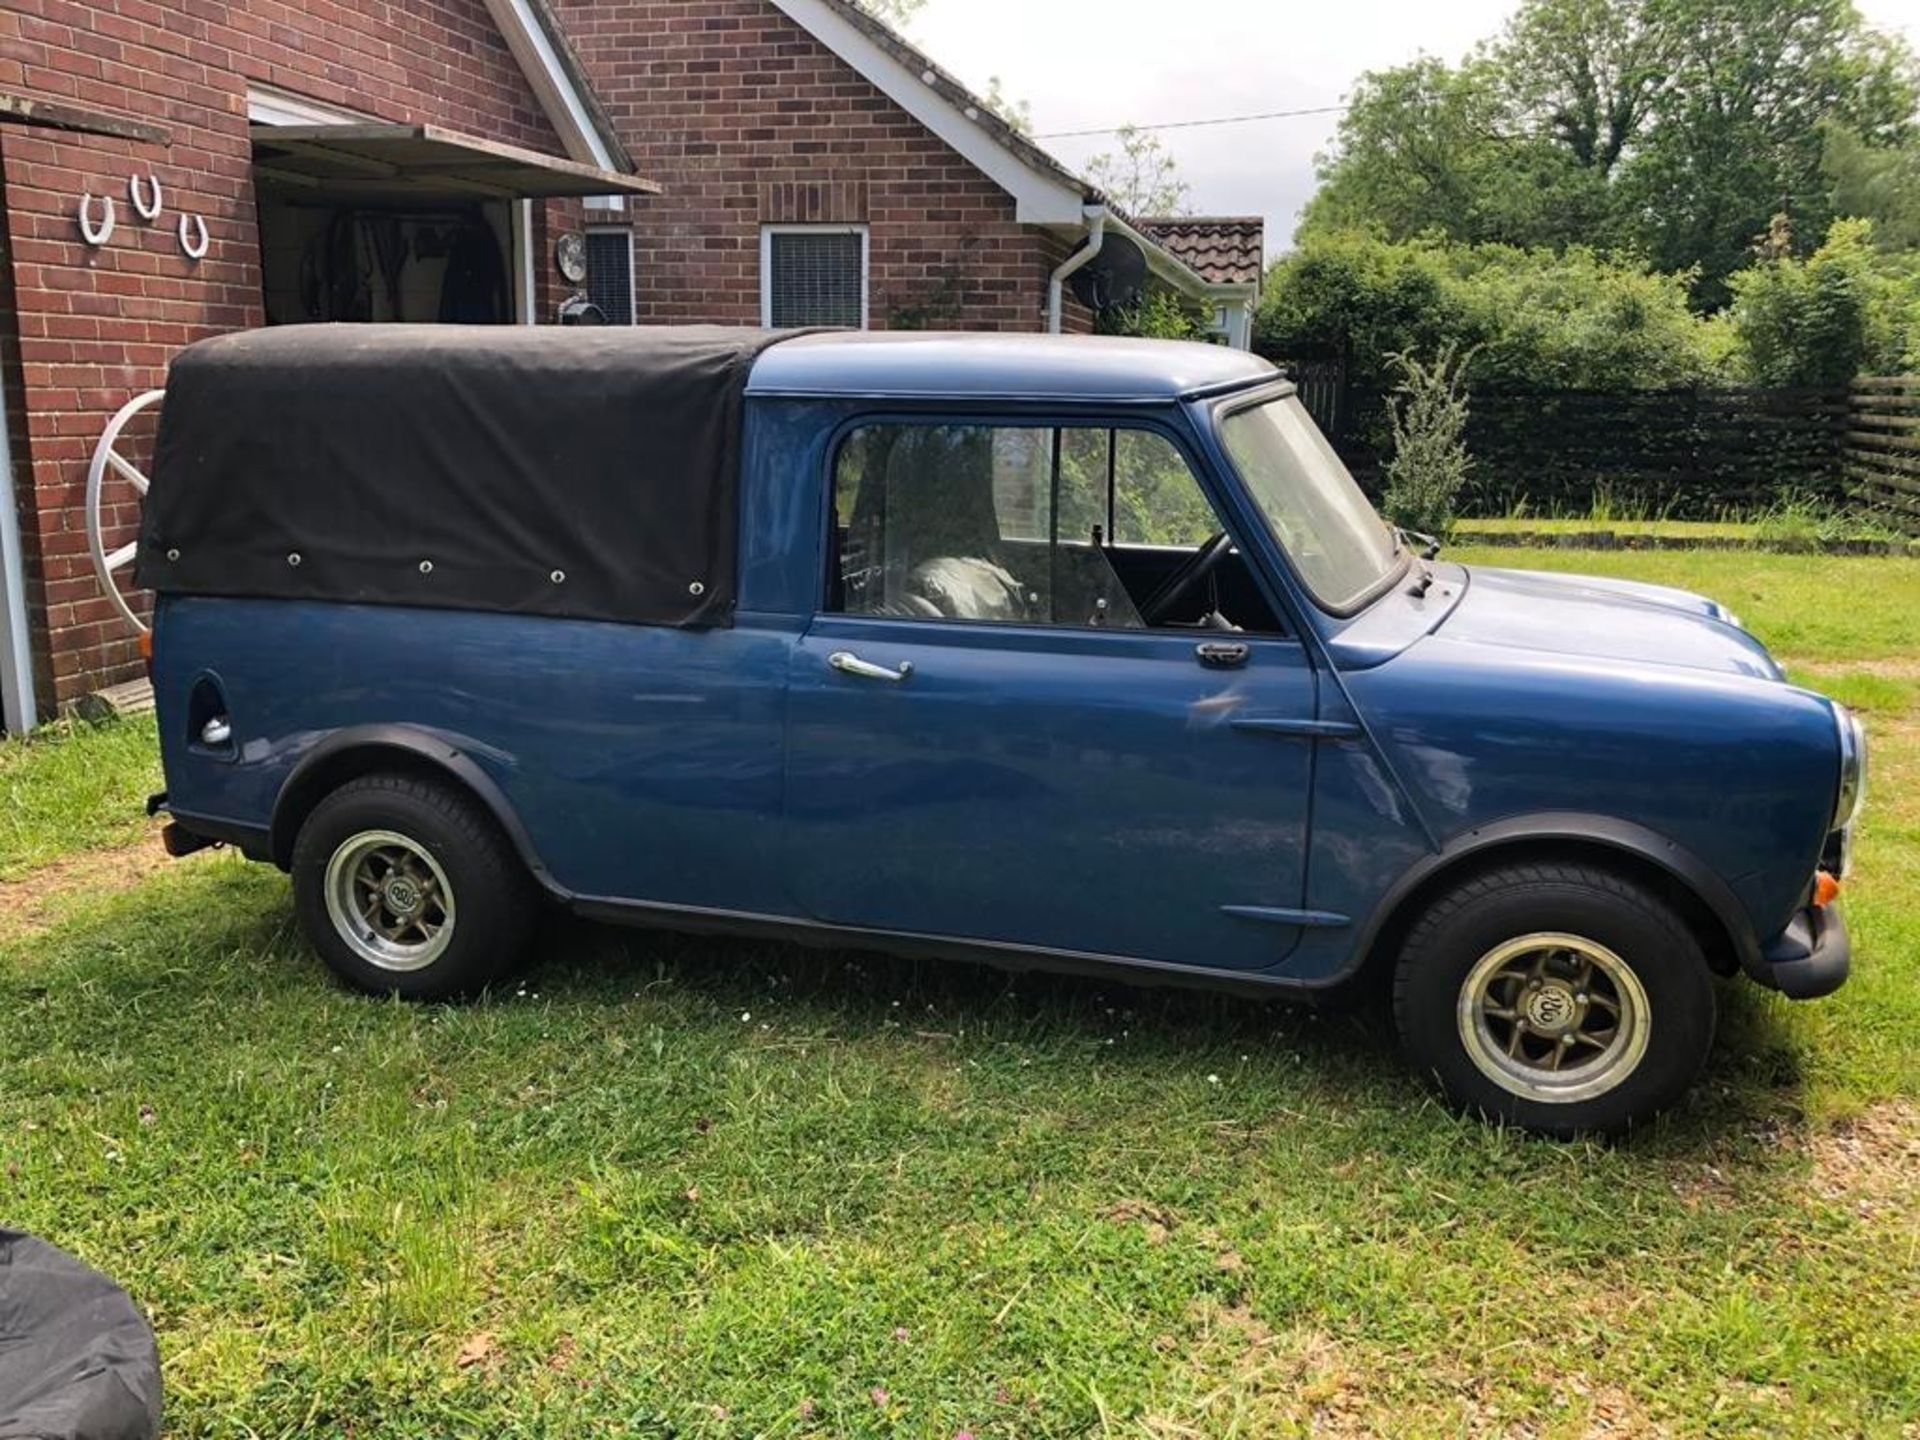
x=610, y=273
x=813, y=275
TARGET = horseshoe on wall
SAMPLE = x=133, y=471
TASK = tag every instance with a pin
x=190, y=248
x=145, y=208
x=94, y=234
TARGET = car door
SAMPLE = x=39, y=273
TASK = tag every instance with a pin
x=985, y=741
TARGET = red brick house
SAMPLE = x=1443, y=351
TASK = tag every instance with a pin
x=172, y=170
x=802, y=143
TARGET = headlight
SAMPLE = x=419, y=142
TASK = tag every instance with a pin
x=1853, y=767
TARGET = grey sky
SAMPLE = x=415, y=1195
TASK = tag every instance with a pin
x=1082, y=64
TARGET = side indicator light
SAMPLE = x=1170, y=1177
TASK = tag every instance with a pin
x=1826, y=890
x=146, y=646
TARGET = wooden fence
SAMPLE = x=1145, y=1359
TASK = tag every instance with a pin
x=1881, y=454
x=1694, y=453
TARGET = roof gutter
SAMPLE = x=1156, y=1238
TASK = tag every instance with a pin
x=1095, y=218
x=1170, y=267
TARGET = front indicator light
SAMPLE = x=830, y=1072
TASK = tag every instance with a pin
x=1826, y=889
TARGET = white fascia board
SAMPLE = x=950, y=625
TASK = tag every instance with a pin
x=527, y=38
x=1039, y=199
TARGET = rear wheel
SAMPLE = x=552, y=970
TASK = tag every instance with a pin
x=1559, y=997
x=407, y=887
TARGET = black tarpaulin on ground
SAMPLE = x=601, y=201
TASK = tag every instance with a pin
x=583, y=472
x=77, y=1361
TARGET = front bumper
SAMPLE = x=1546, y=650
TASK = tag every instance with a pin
x=1808, y=959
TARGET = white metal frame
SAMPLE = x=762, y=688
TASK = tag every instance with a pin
x=767, y=233
x=17, y=703
x=633, y=266
x=526, y=280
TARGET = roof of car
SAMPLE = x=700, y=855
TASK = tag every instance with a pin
x=930, y=365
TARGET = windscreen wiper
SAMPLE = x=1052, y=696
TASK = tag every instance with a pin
x=1429, y=545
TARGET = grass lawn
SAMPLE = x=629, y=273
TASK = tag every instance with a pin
x=1692, y=530
x=670, y=1187
x=72, y=787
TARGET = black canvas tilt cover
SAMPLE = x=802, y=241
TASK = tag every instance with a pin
x=77, y=1358
x=589, y=473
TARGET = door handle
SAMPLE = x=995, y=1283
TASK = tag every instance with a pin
x=1222, y=655
x=848, y=663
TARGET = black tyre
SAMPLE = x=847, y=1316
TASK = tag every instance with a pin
x=1558, y=997
x=407, y=887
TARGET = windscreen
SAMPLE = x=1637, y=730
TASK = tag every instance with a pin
x=1341, y=548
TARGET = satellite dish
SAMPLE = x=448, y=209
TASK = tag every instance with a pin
x=1114, y=279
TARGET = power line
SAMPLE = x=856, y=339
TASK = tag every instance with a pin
x=1194, y=124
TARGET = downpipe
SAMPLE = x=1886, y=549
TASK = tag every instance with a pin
x=1095, y=217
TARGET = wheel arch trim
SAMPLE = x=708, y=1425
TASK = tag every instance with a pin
x=332, y=763
x=1594, y=832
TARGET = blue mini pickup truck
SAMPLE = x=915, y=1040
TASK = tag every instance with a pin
x=1074, y=653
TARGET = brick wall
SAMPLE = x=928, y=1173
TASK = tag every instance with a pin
x=747, y=119
x=96, y=327
x=739, y=112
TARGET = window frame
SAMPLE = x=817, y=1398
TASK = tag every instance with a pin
x=633, y=267
x=1032, y=420
x=1232, y=405
x=768, y=232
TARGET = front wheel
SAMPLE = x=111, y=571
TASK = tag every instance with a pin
x=1562, y=998
x=407, y=887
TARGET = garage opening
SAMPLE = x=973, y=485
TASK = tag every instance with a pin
x=364, y=222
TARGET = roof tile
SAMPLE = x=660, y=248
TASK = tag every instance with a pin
x=1226, y=250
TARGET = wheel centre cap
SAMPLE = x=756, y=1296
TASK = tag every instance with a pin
x=1551, y=1009
x=402, y=895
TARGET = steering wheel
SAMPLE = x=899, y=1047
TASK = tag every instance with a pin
x=1202, y=563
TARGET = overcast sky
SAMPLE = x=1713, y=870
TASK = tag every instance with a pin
x=1085, y=63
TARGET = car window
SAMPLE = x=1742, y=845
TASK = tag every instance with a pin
x=1157, y=499
x=1002, y=524
x=1077, y=526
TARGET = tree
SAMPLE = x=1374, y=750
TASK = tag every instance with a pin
x=1674, y=128
x=1430, y=148
x=1585, y=74
x=1571, y=319
x=895, y=12
x=1428, y=414
x=1737, y=134
x=1845, y=309
x=1880, y=183
x=1419, y=151
x=1143, y=178
x=1160, y=314
x=1018, y=114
